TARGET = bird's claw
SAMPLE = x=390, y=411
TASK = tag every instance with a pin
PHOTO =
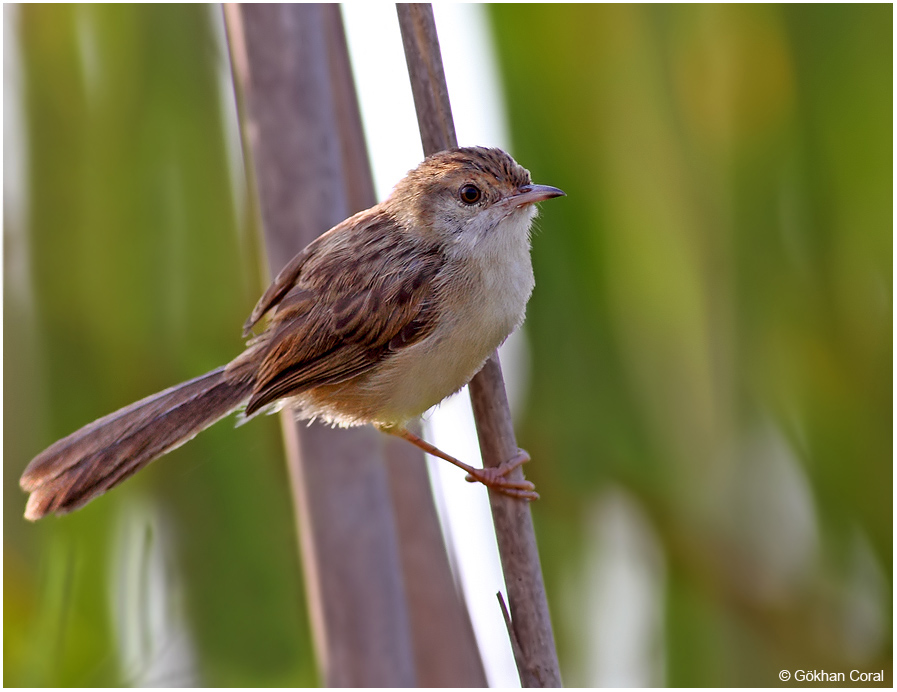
x=495, y=477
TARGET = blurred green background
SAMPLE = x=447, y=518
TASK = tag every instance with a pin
x=711, y=336
x=712, y=326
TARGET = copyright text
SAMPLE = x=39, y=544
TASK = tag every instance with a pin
x=826, y=676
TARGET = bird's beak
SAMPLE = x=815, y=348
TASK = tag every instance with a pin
x=529, y=194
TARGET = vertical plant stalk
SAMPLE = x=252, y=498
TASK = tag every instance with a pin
x=339, y=481
x=436, y=611
x=445, y=647
x=530, y=618
x=442, y=639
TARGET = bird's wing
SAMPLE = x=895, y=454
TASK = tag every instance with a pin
x=276, y=291
x=354, y=298
x=289, y=275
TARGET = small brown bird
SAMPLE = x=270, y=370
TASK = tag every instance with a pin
x=376, y=321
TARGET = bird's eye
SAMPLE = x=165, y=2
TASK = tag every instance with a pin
x=470, y=194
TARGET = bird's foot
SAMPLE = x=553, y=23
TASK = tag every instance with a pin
x=495, y=477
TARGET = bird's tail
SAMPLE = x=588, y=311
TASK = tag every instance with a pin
x=99, y=456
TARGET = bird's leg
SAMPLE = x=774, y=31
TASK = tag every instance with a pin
x=493, y=477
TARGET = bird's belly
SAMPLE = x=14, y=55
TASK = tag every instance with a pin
x=424, y=374
x=418, y=380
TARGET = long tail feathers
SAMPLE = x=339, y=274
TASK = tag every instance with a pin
x=99, y=456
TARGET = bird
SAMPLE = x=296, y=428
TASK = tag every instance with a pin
x=374, y=322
